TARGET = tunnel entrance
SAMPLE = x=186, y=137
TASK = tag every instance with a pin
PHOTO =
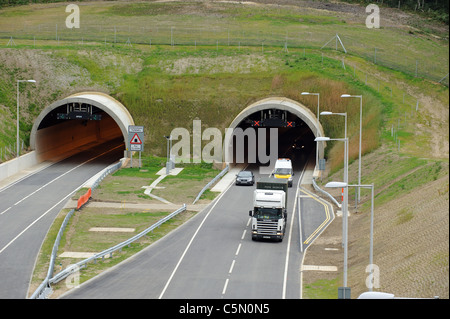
x=282, y=128
x=77, y=122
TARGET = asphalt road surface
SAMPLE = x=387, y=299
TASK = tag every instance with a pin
x=29, y=206
x=212, y=255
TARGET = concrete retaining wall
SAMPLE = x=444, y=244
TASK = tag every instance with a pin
x=16, y=165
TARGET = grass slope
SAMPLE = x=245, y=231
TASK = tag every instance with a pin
x=225, y=56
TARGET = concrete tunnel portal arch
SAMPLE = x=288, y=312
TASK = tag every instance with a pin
x=295, y=110
x=94, y=117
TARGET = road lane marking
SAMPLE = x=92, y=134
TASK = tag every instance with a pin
x=239, y=248
x=286, y=264
x=326, y=204
x=190, y=242
x=50, y=209
x=225, y=287
x=243, y=234
x=327, y=219
x=5, y=211
x=232, y=266
x=37, y=219
x=37, y=190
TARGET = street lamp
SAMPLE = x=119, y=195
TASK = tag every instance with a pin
x=169, y=140
x=360, y=136
x=345, y=185
x=318, y=133
x=345, y=148
x=344, y=204
x=17, y=137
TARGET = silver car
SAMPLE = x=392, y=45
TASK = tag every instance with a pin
x=245, y=178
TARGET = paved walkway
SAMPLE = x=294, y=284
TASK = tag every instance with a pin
x=138, y=206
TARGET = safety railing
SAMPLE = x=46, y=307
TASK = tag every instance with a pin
x=81, y=264
x=44, y=288
x=110, y=170
x=215, y=179
x=317, y=188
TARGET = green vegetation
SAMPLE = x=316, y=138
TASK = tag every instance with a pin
x=188, y=61
x=201, y=76
x=437, y=9
x=321, y=289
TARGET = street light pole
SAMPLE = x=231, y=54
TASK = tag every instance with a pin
x=345, y=157
x=17, y=135
x=371, y=186
x=318, y=114
x=360, y=138
x=344, y=204
x=169, y=140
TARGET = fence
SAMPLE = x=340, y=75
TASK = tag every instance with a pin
x=357, y=41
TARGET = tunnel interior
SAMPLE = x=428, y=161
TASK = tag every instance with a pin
x=295, y=139
x=73, y=127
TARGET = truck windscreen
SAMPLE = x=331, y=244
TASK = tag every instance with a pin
x=267, y=213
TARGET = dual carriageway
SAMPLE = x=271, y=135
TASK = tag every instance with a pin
x=210, y=256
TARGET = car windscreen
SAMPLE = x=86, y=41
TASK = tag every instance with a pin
x=245, y=174
x=283, y=171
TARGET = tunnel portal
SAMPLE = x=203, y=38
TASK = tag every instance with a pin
x=76, y=122
x=296, y=127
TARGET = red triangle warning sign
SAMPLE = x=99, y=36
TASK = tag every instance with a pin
x=136, y=139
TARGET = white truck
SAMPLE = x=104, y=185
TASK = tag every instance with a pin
x=283, y=169
x=269, y=214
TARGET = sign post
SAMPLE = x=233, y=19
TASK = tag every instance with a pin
x=135, y=141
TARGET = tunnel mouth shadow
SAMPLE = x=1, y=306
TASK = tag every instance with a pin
x=77, y=123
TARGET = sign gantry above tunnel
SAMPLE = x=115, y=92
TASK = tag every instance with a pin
x=281, y=106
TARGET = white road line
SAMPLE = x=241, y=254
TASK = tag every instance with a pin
x=5, y=211
x=190, y=242
x=225, y=287
x=239, y=248
x=37, y=219
x=290, y=236
x=300, y=225
x=37, y=190
x=243, y=234
x=28, y=175
x=232, y=265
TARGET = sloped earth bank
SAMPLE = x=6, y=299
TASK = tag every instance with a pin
x=411, y=246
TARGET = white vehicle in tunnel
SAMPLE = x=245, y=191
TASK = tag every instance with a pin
x=283, y=169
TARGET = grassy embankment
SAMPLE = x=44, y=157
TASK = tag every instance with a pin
x=167, y=86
